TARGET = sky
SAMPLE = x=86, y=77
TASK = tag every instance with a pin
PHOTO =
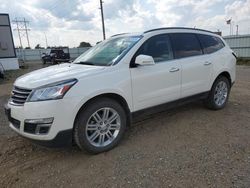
x=68, y=22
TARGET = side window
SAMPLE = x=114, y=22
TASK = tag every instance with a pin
x=210, y=44
x=185, y=45
x=158, y=47
x=221, y=44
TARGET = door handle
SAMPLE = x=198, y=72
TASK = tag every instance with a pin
x=174, y=69
x=207, y=63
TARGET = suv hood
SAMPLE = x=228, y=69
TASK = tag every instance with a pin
x=54, y=74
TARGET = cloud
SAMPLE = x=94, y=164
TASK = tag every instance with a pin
x=68, y=22
x=65, y=9
x=239, y=10
x=118, y=8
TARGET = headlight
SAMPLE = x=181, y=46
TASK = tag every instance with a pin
x=52, y=91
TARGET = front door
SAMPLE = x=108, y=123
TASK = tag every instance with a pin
x=156, y=84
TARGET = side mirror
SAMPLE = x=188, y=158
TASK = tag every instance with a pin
x=144, y=60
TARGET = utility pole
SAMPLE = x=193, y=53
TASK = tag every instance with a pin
x=229, y=22
x=18, y=31
x=237, y=29
x=103, y=26
x=232, y=28
x=21, y=28
x=46, y=40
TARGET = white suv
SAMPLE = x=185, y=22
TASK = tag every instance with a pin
x=94, y=99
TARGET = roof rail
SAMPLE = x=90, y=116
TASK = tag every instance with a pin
x=163, y=28
x=119, y=34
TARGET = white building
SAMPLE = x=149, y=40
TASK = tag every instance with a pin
x=8, y=57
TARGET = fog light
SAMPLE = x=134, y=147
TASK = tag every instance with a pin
x=40, y=121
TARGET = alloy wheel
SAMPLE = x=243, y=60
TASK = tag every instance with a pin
x=103, y=127
x=221, y=93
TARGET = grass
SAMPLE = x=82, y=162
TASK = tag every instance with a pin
x=243, y=61
x=11, y=75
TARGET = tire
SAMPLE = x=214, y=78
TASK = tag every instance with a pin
x=96, y=137
x=219, y=94
x=44, y=61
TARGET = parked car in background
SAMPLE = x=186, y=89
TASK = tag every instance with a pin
x=56, y=55
x=94, y=99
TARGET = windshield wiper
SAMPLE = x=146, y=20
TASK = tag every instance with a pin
x=85, y=63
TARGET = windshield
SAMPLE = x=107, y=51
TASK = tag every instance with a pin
x=108, y=52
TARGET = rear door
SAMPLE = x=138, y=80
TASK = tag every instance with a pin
x=196, y=69
x=213, y=54
x=156, y=84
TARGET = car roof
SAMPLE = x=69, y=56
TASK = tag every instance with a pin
x=157, y=30
x=177, y=28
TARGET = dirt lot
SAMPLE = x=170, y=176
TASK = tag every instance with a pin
x=186, y=147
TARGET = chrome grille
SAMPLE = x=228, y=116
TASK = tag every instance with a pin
x=19, y=95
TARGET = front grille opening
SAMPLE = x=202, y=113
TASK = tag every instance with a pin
x=19, y=95
x=36, y=128
x=30, y=128
x=44, y=130
x=16, y=123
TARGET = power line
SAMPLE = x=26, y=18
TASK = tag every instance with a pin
x=50, y=9
x=22, y=29
x=26, y=31
x=18, y=31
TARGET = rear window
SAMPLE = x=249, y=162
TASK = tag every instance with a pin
x=210, y=44
x=185, y=45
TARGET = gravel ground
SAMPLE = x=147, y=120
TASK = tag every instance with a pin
x=189, y=146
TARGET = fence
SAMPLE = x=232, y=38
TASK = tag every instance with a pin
x=240, y=44
x=36, y=54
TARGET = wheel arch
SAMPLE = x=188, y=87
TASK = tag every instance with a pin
x=118, y=98
x=225, y=74
x=209, y=101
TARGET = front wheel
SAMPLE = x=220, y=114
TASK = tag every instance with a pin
x=44, y=61
x=219, y=94
x=100, y=126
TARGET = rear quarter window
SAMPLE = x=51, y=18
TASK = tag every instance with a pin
x=185, y=45
x=210, y=44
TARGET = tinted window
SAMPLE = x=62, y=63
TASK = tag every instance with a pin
x=185, y=45
x=158, y=47
x=210, y=44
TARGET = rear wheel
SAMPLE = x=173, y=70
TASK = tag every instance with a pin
x=219, y=94
x=100, y=126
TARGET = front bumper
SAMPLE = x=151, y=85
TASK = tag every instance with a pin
x=63, y=138
x=62, y=112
